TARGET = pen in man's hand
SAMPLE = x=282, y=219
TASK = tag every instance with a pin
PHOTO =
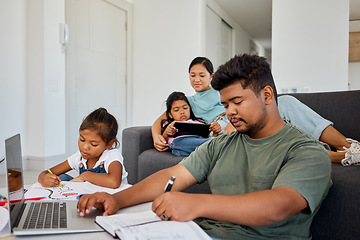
x=169, y=184
x=167, y=188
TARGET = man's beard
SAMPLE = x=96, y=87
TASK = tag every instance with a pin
x=250, y=129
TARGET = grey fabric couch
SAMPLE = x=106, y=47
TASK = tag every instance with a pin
x=339, y=214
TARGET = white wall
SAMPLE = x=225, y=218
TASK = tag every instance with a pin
x=168, y=34
x=32, y=74
x=354, y=67
x=310, y=44
x=54, y=79
x=12, y=70
x=241, y=39
x=45, y=84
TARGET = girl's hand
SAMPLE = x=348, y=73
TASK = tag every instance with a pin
x=170, y=129
x=81, y=178
x=48, y=179
x=215, y=128
x=77, y=179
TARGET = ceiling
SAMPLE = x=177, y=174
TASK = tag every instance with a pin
x=257, y=20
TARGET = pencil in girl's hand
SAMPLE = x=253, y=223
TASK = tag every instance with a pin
x=49, y=171
x=217, y=119
x=3, y=197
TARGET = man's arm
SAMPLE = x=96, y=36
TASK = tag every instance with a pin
x=145, y=191
x=259, y=208
x=159, y=141
x=252, y=209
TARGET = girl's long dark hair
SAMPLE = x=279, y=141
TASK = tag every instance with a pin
x=175, y=96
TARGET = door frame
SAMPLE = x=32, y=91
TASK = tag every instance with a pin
x=128, y=8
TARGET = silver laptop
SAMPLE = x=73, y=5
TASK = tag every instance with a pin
x=39, y=217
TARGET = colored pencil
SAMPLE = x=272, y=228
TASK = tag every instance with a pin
x=2, y=203
x=219, y=117
x=60, y=185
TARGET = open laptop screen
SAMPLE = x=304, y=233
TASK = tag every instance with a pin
x=15, y=180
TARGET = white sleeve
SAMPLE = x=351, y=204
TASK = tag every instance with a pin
x=74, y=161
x=115, y=155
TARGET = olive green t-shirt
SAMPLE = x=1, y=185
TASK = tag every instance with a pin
x=236, y=164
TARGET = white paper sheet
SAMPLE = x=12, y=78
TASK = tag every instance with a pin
x=169, y=230
x=68, y=190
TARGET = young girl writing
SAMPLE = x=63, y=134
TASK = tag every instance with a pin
x=178, y=110
x=97, y=161
x=205, y=103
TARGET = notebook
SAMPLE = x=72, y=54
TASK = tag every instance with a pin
x=146, y=225
x=39, y=217
x=193, y=129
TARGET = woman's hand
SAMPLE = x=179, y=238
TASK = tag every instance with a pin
x=160, y=143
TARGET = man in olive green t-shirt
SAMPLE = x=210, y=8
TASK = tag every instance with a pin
x=268, y=178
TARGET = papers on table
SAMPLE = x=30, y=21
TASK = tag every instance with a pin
x=69, y=190
x=146, y=225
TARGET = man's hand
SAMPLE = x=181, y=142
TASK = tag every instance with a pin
x=177, y=206
x=100, y=200
x=160, y=143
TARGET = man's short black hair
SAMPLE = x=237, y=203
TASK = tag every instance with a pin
x=251, y=71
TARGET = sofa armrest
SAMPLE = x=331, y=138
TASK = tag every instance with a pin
x=135, y=140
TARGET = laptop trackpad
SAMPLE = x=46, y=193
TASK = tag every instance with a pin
x=94, y=212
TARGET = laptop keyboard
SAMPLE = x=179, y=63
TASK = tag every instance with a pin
x=46, y=215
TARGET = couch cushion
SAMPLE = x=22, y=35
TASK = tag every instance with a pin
x=339, y=214
x=151, y=161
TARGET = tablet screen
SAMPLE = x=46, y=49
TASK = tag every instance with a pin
x=186, y=128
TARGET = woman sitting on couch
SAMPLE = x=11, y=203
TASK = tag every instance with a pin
x=347, y=151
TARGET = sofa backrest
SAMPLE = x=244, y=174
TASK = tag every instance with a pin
x=342, y=108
